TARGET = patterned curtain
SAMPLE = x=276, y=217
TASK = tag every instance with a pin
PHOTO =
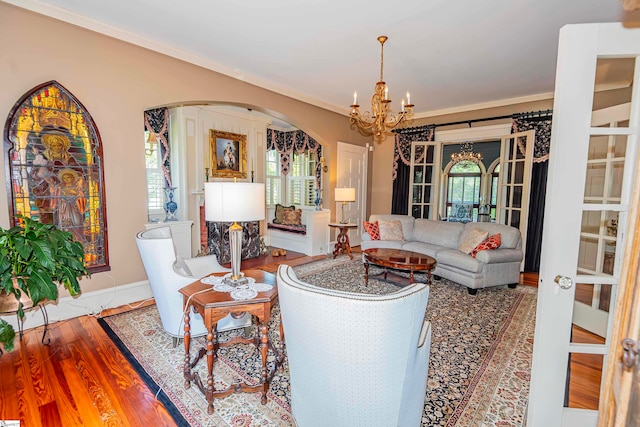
x=542, y=128
x=538, y=192
x=288, y=143
x=157, y=121
x=402, y=164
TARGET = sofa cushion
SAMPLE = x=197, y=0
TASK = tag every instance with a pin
x=406, y=221
x=472, y=239
x=390, y=230
x=391, y=244
x=372, y=229
x=510, y=236
x=441, y=233
x=459, y=260
x=491, y=242
x=424, y=248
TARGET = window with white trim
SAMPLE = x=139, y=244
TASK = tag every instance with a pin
x=155, y=177
x=298, y=187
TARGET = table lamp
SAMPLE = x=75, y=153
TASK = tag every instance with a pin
x=234, y=202
x=345, y=195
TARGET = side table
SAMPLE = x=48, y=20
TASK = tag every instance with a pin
x=213, y=306
x=342, y=241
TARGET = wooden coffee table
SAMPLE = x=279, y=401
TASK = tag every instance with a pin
x=213, y=306
x=397, y=259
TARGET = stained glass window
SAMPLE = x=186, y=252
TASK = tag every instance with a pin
x=55, y=168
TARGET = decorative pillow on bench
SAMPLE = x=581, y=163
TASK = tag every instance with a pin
x=280, y=210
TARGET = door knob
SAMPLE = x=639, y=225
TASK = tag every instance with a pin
x=563, y=281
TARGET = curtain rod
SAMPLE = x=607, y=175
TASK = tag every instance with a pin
x=530, y=114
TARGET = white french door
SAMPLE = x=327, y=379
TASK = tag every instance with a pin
x=591, y=166
x=423, y=182
x=516, y=158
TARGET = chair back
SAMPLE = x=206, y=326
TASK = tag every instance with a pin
x=355, y=359
x=158, y=258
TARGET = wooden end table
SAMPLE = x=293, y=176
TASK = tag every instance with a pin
x=342, y=240
x=213, y=306
x=397, y=259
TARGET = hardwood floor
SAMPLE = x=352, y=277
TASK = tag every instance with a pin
x=82, y=379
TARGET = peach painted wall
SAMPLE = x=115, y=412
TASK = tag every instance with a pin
x=116, y=82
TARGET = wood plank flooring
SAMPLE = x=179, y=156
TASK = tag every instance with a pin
x=82, y=379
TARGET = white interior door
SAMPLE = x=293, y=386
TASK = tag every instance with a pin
x=352, y=172
x=516, y=158
x=589, y=183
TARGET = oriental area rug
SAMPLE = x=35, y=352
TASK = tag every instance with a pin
x=479, y=366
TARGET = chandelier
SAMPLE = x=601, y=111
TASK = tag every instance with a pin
x=466, y=154
x=379, y=120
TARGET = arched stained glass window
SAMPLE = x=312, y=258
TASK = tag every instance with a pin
x=54, y=168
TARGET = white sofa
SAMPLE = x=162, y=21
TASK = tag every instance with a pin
x=355, y=359
x=441, y=239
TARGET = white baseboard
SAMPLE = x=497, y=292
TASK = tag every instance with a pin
x=89, y=303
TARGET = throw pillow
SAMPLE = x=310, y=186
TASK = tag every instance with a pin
x=491, y=242
x=390, y=230
x=372, y=229
x=279, y=217
x=292, y=217
x=472, y=239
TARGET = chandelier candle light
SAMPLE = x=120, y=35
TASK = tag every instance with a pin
x=234, y=202
x=379, y=120
x=345, y=195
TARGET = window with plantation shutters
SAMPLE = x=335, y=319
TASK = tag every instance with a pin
x=298, y=187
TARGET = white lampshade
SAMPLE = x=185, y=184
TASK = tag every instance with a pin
x=234, y=201
x=345, y=195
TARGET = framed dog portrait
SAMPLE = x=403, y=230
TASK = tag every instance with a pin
x=228, y=154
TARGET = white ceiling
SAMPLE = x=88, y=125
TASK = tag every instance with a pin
x=447, y=53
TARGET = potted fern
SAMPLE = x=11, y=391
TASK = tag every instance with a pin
x=35, y=259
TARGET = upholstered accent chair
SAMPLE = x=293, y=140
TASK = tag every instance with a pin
x=167, y=275
x=355, y=359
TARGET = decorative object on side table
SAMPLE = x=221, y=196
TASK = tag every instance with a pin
x=234, y=201
x=36, y=259
x=170, y=206
x=345, y=195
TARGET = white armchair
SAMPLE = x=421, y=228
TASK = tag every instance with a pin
x=355, y=359
x=167, y=275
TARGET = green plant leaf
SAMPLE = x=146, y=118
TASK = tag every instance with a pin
x=41, y=287
x=7, y=335
x=44, y=254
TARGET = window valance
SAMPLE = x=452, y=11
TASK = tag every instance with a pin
x=288, y=143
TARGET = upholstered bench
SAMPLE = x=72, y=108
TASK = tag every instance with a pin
x=310, y=237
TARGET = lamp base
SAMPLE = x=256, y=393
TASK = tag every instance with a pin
x=235, y=281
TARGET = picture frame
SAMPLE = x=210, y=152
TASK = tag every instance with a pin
x=228, y=153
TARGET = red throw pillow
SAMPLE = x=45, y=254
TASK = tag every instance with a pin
x=491, y=242
x=372, y=229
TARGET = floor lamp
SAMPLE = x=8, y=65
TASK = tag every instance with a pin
x=234, y=202
x=345, y=195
